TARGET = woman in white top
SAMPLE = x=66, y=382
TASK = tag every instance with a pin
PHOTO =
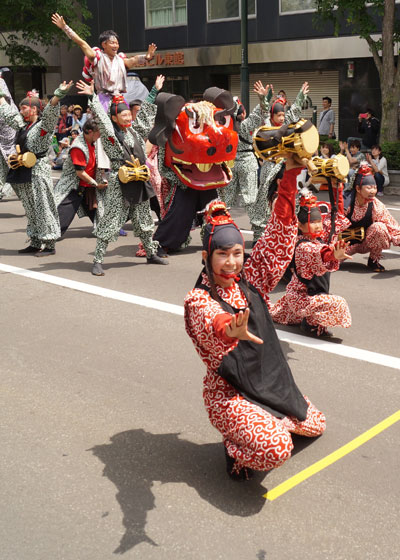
x=379, y=165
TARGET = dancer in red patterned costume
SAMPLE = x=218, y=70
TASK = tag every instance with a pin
x=365, y=210
x=307, y=301
x=249, y=391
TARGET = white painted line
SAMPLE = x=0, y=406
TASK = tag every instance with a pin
x=339, y=349
x=389, y=208
x=94, y=290
x=391, y=252
x=246, y=231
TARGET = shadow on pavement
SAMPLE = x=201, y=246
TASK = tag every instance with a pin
x=135, y=459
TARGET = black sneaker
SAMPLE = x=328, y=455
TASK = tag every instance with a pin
x=155, y=259
x=97, y=269
x=375, y=266
x=46, y=252
x=239, y=475
x=162, y=253
x=30, y=249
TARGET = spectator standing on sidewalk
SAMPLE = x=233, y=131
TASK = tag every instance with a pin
x=326, y=127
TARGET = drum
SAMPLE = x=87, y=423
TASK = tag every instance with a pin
x=28, y=159
x=272, y=142
x=354, y=235
x=133, y=171
x=337, y=166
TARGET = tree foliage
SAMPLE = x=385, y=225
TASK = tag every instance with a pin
x=27, y=23
x=367, y=19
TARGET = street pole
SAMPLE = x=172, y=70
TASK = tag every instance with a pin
x=244, y=68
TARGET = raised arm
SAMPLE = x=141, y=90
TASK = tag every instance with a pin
x=70, y=33
x=274, y=250
x=137, y=59
x=294, y=113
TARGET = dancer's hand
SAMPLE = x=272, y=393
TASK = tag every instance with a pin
x=58, y=20
x=84, y=88
x=151, y=51
x=339, y=250
x=159, y=82
x=260, y=89
x=305, y=88
x=237, y=328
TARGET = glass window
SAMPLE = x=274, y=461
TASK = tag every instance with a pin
x=228, y=9
x=297, y=5
x=162, y=13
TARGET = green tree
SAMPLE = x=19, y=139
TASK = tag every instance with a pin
x=26, y=23
x=366, y=19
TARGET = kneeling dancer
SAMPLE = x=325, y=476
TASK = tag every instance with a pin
x=123, y=141
x=307, y=301
x=366, y=211
x=249, y=391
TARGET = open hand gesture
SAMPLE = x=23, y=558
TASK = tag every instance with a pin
x=84, y=88
x=151, y=51
x=260, y=89
x=339, y=250
x=305, y=88
x=237, y=328
x=159, y=82
x=58, y=20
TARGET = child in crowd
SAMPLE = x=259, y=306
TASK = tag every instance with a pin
x=378, y=163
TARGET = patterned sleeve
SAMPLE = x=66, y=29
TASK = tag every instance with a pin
x=341, y=223
x=293, y=114
x=200, y=312
x=308, y=258
x=145, y=119
x=11, y=117
x=108, y=139
x=271, y=255
x=41, y=137
x=251, y=123
x=382, y=214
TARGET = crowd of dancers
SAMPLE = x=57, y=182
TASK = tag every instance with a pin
x=179, y=159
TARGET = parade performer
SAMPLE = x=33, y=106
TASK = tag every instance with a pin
x=365, y=210
x=197, y=148
x=128, y=192
x=245, y=172
x=105, y=65
x=77, y=190
x=30, y=173
x=249, y=391
x=269, y=169
x=307, y=301
x=7, y=143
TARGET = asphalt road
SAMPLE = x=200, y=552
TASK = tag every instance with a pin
x=106, y=448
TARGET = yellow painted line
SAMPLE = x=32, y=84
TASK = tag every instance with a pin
x=332, y=458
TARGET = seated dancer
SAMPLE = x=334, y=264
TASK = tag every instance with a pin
x=34, y=185
x=269, y=169
x=366, y=211
x=105, y=65
x=249, y=391
x=123, y=141
x=77, y=188
x=197, y=148
x=245, y=172
x=307, y=301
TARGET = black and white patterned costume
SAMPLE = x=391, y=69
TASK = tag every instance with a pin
x=7, y=144
x=37, y=196
x=245, y=172
x=269, y=170
x=116, y=209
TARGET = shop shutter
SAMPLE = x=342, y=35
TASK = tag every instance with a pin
x=322, y=83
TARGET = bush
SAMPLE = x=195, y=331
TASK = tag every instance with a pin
x=391, y=151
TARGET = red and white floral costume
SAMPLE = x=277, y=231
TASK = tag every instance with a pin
x=383, y=232
x=252, y=436
x=314, y=259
